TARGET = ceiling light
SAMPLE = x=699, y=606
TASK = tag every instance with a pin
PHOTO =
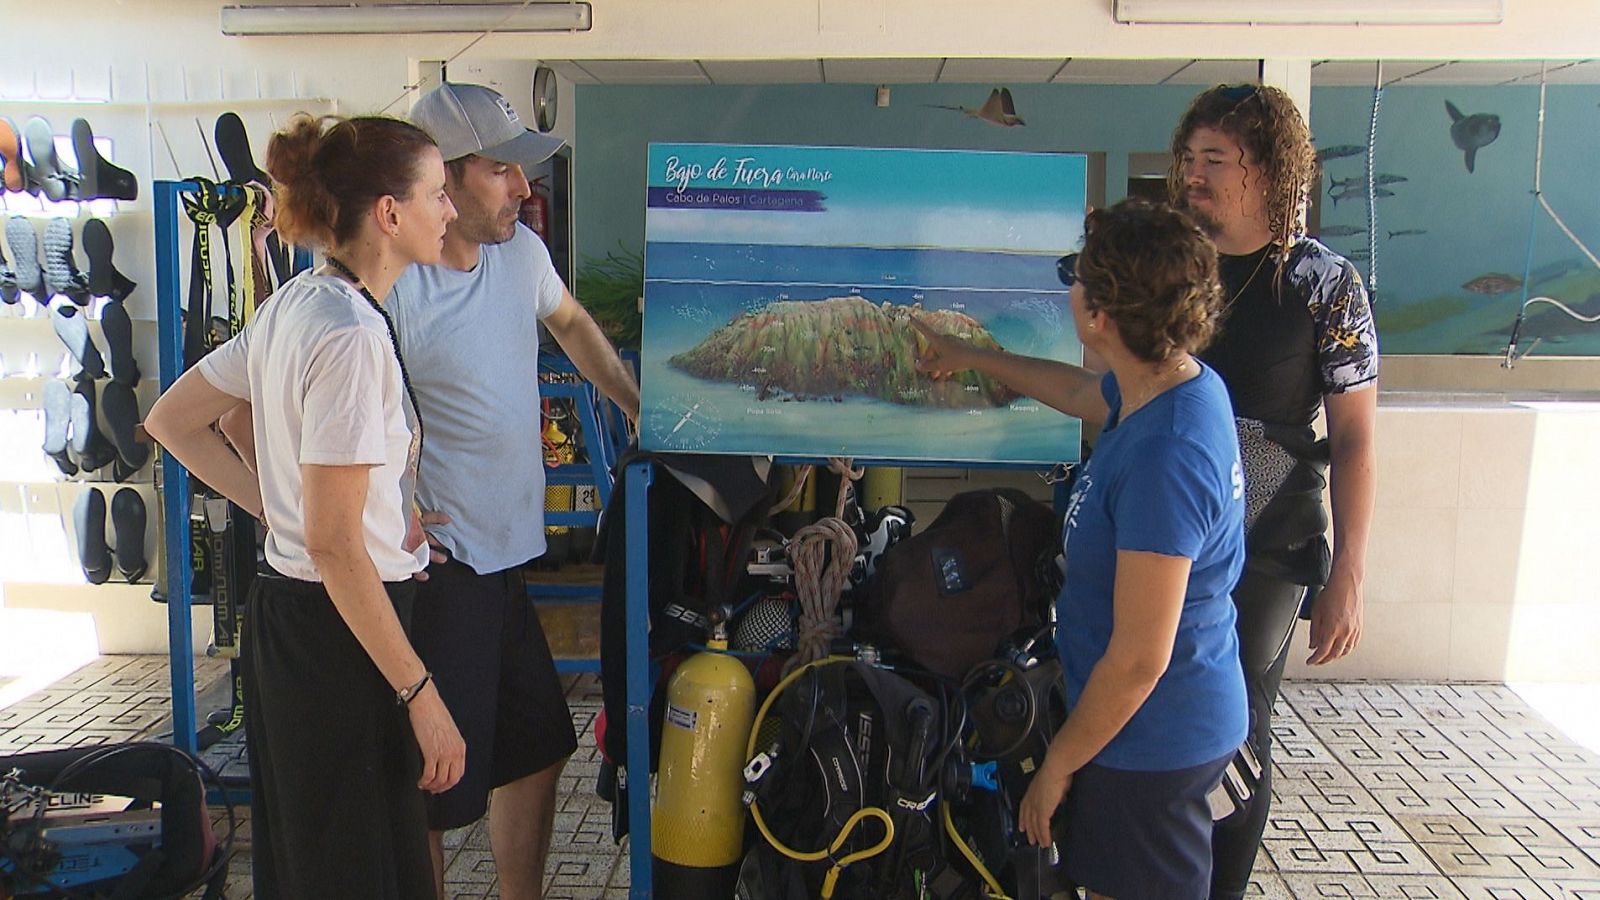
x=1310, y=12
x=406, y=18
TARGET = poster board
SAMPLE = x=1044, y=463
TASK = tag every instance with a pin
x=780, y=282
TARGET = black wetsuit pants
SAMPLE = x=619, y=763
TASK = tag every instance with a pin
x=1267, y=608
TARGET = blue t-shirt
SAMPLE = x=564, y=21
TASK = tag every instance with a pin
x=1166, y=481
x=470, y=341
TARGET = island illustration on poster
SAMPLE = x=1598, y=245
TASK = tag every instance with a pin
x=781, y=281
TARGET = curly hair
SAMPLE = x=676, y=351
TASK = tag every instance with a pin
x=328, y=171
x=1154, y=272
x=1265, y=122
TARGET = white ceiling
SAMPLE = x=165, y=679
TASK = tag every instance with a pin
x=951, y=70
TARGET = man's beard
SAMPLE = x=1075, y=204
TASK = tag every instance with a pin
x=487, y=229
x=1207, y=224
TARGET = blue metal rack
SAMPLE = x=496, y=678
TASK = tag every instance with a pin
x=174, y=477
x=605, y=432
x=168, y=197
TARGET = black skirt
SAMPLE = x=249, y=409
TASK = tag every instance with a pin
x=335, y=810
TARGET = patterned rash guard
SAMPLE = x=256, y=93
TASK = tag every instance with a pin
x=1280, y=352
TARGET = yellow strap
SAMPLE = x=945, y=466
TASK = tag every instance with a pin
x=244, y=249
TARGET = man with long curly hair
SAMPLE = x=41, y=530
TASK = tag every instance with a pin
x=1297, y=338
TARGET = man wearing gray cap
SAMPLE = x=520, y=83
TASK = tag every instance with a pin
x=468, y=329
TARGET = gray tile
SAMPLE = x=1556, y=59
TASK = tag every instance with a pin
x=577, y=869
x=1552, y=863
x=1370, y=827
x=1459, y=860
x=1499, y=889
x=470, y=867
x=1301, y=855
x=1576, y=890
x=1328, y=886
x=1269, y=887
x=1393, y=858
x=1414, y=887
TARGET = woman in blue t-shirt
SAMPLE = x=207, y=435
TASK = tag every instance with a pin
x=1153, y=542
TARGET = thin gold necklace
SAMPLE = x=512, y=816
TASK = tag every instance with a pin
x=1155, y=388
x=1257, y=271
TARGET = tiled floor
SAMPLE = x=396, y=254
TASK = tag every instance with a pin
x=1383, y=790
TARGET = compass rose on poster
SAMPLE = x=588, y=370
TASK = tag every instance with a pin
x=688, y=422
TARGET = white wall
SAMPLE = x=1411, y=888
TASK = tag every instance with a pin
x=176, y=37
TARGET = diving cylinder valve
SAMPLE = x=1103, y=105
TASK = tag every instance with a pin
x=697, y=828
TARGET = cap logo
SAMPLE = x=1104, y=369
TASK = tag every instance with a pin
x=505, y=107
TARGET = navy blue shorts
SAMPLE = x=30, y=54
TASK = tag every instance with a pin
x=480, y=637
x=1140, y=835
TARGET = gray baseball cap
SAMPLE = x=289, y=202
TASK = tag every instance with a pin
x=469, y=118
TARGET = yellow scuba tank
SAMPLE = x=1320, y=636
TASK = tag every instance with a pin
x=697, y=827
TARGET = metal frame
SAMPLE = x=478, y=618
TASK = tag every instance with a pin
x=174, y=480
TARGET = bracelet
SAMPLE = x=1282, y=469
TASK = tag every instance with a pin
x=404, y=696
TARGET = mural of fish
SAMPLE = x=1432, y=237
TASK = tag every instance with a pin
x=1406, y=232
x=1493, y=283
x=1340, y=231
x=1552, y=271
x=1472, y=133
x=1359, y=191
x=1339, y=152
x=1335, y=184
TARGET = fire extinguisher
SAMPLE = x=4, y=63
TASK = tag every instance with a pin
x=535, y=211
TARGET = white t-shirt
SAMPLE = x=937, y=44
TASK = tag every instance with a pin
x=318, y=368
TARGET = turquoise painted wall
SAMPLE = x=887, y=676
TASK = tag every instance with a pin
x=615, y=123
x=1475, y=224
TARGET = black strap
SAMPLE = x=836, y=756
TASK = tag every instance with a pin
x=201, y=207
x=232, y=205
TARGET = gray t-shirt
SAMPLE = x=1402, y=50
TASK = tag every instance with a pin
x=471, y=346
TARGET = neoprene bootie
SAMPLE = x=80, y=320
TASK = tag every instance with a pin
x=128, y=523
x=89, y=518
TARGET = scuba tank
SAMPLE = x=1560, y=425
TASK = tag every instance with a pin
x=697, y=827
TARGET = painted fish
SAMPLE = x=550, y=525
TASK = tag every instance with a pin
x=1493, y=283
x=1360, y=191
x=1340, y=231
x=1472, y=133
x=1339, y=152
x=1358, y=255
x=1552, y=271
x=1405, y=232
x=1382, y=178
